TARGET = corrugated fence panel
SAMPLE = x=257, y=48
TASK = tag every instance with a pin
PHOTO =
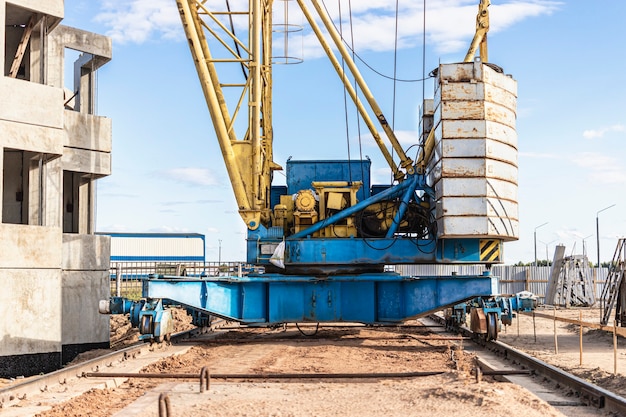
x=512, y=279
x=439, y=270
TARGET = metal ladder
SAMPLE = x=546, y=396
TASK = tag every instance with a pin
x=611, y=291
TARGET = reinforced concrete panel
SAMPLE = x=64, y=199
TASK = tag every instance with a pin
x=84, y=41
x=50, y=7
x=33, y=247
x=79, y=40
x=31, y=137
x=81, y=160
x=82, y=323
x=31, y=302
x=86, y=252
x=86, y=131
x=31, y=103
x=53, y=200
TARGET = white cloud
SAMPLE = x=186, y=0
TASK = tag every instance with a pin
x=169, y=229
x=381, y=176
x=190, y=202
x=450, y=24
x=115, y=228
x=538, y=155
x=192, y=176
x=405, y=137
x=599, y=133
x=137, y=21
x=602, y=169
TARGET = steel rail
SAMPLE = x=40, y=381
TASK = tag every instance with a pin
x=270, y=376
x=589, y=393
x=265, y=340
x=36, y=385
x=334, y=326
x=282, y=376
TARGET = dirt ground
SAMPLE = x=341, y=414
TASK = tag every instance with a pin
x=352, y=350
x=344, y=350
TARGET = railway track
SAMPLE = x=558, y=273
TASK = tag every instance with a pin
x=104, y=371
x=588, y=393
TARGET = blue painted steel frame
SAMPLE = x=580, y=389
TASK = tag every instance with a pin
x=273, y=298
x=355, y=251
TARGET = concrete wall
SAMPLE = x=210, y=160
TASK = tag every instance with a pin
x=54, y=8
x=85, y=281
x=52, y=281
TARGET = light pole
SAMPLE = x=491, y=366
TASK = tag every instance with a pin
x=541, y=225
x=548, y=244
x=598, y=235
x=585, y=245
x=219, y=254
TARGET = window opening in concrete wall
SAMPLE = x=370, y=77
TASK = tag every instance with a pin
x=80, y=81
x=23, y=182
x=25, y=44
x=77, y=202
x=69, y=57
x=70, y=202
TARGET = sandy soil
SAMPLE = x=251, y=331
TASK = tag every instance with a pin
x=354, y=350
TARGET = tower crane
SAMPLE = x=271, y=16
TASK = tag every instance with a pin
x=319, y=245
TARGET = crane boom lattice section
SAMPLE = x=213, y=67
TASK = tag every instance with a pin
x=232, y=53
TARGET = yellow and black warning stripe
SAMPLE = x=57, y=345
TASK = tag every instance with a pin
x=490, y=250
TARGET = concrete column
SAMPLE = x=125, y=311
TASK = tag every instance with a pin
x=1, y=176
x=3, y=8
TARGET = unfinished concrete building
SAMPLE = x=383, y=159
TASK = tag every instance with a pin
x=53, y=268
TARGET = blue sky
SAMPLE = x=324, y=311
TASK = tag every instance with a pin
x=567, y=57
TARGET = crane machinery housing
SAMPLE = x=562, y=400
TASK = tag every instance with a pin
x=321, y=242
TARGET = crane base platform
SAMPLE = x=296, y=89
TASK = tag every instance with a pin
x=274, y=298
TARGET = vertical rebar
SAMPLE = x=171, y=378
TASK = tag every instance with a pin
x=580, y=337
x=614, y=347
x=118, y=280
x=205, y=379
x=165, y=409
x=556, y=341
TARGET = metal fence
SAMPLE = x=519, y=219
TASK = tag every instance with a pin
x=511, y=279
x=126, y=276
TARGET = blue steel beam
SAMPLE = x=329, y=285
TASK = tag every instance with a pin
x=409, y=192
x=365, y=298
x=358, y=251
